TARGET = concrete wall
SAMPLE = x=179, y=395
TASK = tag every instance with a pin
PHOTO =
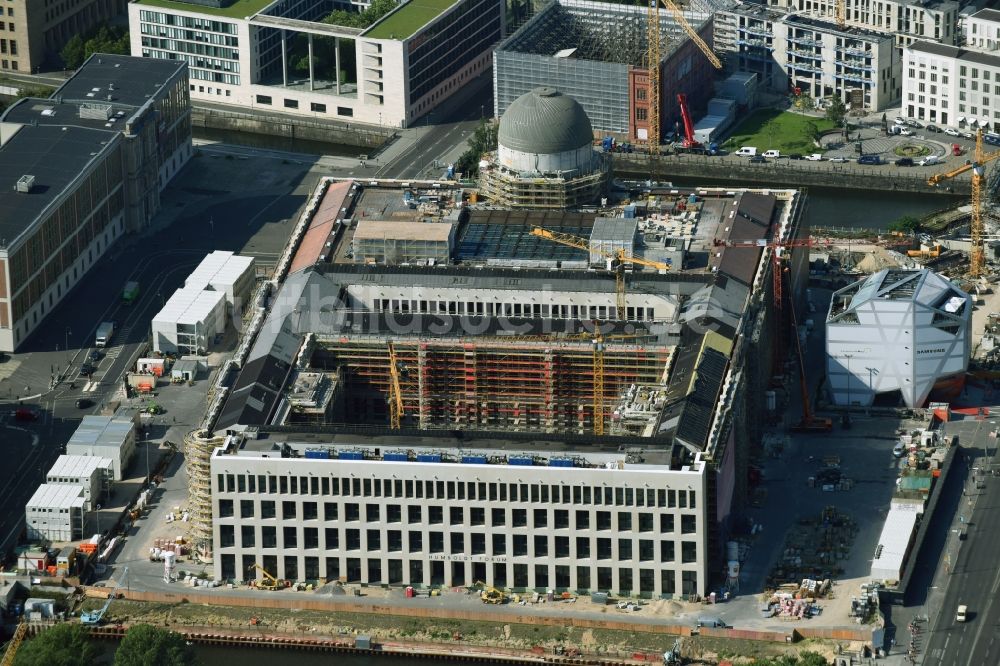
x=292, y=128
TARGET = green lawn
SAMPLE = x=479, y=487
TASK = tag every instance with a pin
x=239, y=8
x=770, y=129
x=409, y=18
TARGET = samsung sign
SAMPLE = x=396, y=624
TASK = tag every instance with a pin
x=931, y=351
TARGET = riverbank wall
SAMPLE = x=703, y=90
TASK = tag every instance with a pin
x=288, y=127
x=786, y=173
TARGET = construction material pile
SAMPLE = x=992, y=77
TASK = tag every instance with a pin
x=811, y=552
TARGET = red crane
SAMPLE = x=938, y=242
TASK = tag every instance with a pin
x=689, y=142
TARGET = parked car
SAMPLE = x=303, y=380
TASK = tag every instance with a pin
x=929, y=160
x=747, y=150
x=904, y=131
x=838, y=160
x=991, y=138
x=904, y=162
x=899, y=450
x=869, y=160
x=757, y=159
x=815, y=157
x=967, y=135
x=83, y=403
x=913, y=123
x=951, y=131
x=932, y=128
x=899, y=120
x=795, y=156
x=773, y=154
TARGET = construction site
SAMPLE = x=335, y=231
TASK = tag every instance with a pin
x=599, y=54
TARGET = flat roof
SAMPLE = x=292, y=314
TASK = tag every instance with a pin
x=189, y=305
x=129, y=80
x=55, y=157
x=411, y=231
x=238, y=9
x=322, y=225
x=57, y=496
x=403, y=22
x=893, y=543
x=977, y=57
x=219, y=267
x=101, y=431
x=77, y=466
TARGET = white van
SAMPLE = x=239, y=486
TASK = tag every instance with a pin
x=929, y=160
x=774, y=154
x=747, y=151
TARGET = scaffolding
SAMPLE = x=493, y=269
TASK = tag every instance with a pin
x=511, y=190
x=198, y=447
x=491, y=385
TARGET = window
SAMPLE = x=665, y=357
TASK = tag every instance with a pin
x=246, y=508
x=310, y=537
x=330, y=511
x=227, y=536
x=393, y=514
x=416, y=542
x=666, y=523
x=456, y=515
x=435, y=515
x=269, y=537
x=291, y=536
x=541, y=545
x=457, y=543
x=372, y=513
x=688, y=524
x=413, y=514
x=345, y=111
x=583, y=520
x=310, y=511
x=498, y=517
x=352, y=539
x=624, y=549
x=624, y=521
x=332, y=538
x=640, y=113
x=499, y=544
x=291, y=103
x=520, y=545
x=477, y=515
x=374, y=540
x=264, y=99
x=317, y=108
x=689, y=551
x=540, y=517
x=352, y=513
x=288, y=510
x=582, y=547
x=225, y=508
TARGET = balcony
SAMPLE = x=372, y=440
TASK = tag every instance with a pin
x=856, y=64
x=856, y=51
x=804, y=40
x=804, y=67
x=854, y=77
x=806, y=54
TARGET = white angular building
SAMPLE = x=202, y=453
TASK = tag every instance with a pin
x=897, y=330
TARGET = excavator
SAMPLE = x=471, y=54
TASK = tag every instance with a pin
x=490, y=594
x=269, y=582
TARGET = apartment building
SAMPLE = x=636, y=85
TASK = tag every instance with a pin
x=361, y=513
x=906, y=20
x=958, y=86
x=79, y=170
x=789, y=51
x=33, y=32
x=405, y=64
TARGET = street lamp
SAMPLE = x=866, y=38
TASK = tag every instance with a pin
x=871, y=373
x=68, y=359
x=98, y=524
x=848, y=357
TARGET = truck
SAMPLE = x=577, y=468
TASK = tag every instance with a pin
x=130, y=292
x=104, y=333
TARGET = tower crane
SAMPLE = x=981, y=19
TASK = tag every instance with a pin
x=395, y=392
x=977, y=259
x=15, y=643
x=840, y=13
x=653, y=61
x=620, y=257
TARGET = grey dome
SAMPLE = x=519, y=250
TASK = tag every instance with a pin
x=545, y=121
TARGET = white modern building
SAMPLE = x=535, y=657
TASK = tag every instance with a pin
x=906, y=20
x=956, y=86
x=189, y=321
x=229, y=273
x=362, y=514
x=790, y=51
x=55, y=512
x=105, y=437
x=93, y=473
x=250, y=55
x=897, y=330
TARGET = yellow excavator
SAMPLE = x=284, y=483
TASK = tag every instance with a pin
x=490, y=594
x=269, y=582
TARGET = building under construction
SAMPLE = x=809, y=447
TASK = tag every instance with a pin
x=598, y=53
x=546, y=340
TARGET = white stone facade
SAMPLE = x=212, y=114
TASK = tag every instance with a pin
x=907, y=20
x=631, y=529
x=897, y=330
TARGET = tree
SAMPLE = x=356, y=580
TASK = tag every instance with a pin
x=484, y=140
x=146, y=645
x=72, y=53
x=65, y=644
x=906, y=224
x=836, y=111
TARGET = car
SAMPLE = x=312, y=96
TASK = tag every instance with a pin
x=899, y=450
x=95, y=356
x=747, y=150
x=86, y=370
x=932, y=128
x=991, y=138
x=899, y=120
x=838, y=160
x=905, y=131
x=929, y=160
x=774, y=154
x=757, y=159
x=967, y=135
x=904, y=162
x=795, y=156
x=910, y=122
x=962, y=614
x=83, y=403
x=815, y=157
x=25, y=414
x=951, y=131
x=869, y=160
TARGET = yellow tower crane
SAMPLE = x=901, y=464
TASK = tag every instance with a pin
x=653, y=62
x=15, y=643
x=977, y=259
x=620, y=258
x=840, y=13
x=395, y=392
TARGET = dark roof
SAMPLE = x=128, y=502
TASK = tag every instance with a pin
x=695, y=421
x=989, y=14
x=751, y=222
x=54, y=156
x=134, y=80
x=955, y=52
x=256, y=393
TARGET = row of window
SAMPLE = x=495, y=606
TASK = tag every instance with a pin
x=455, y=490
x=194, y=22
x=8, y=46
x=458, y=543
x=189, y=35
x=502, y=309
x=315, y=107
x=620, y=521
x=194, y=48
